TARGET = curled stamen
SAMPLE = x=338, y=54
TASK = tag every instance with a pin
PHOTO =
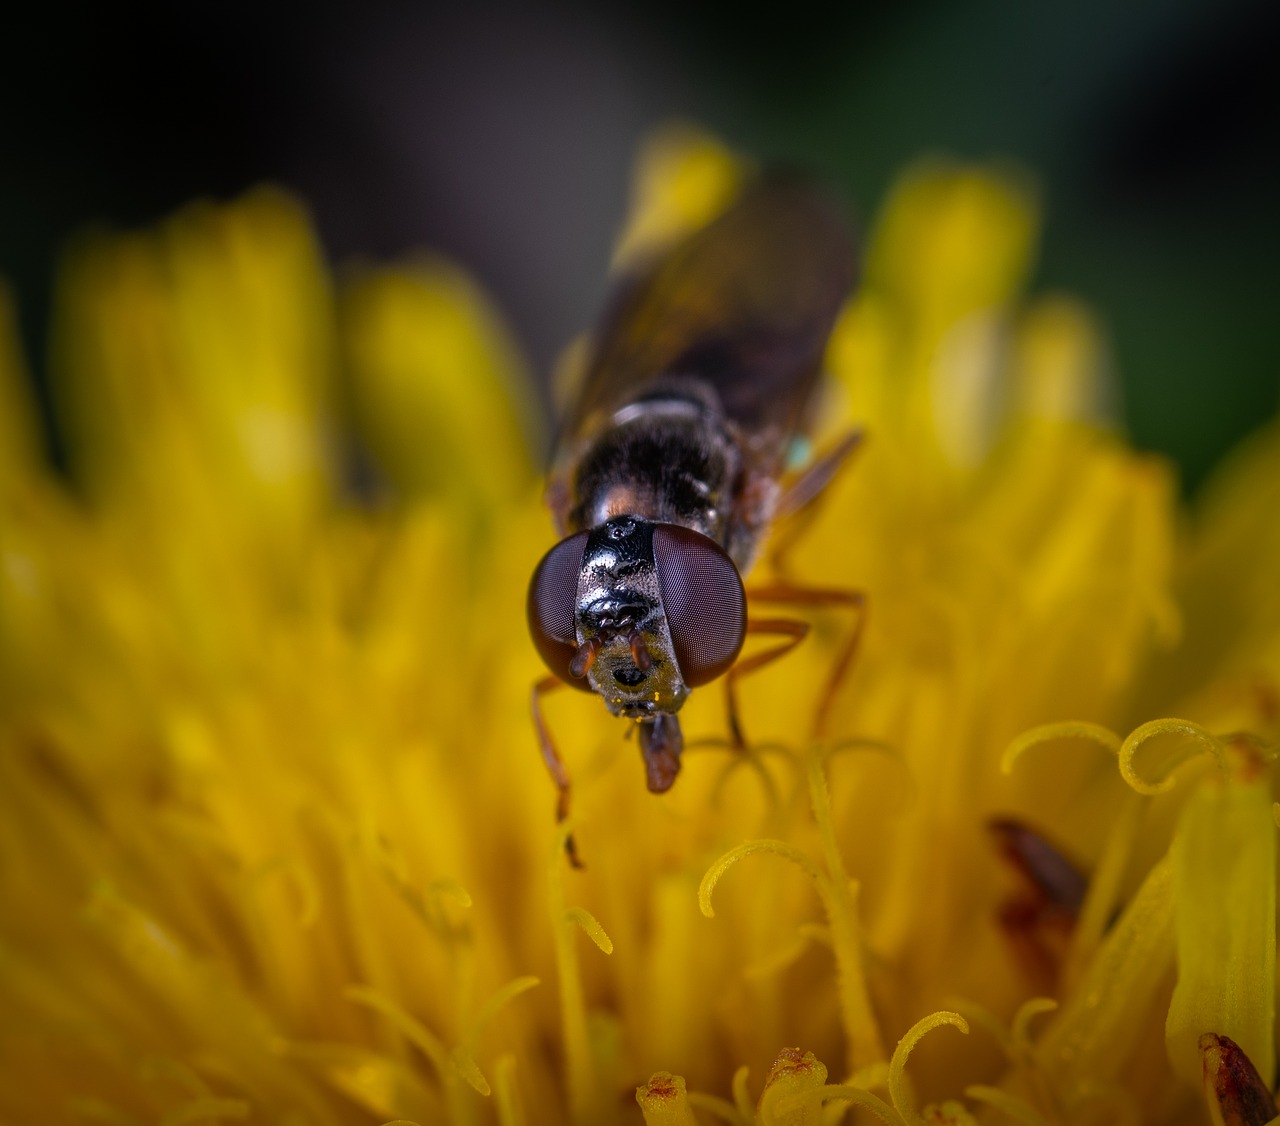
x=639, y=653
x=408, y=1026
x=1027, y=1012
x=1195, y=740
x=751, y=758
x=727, y=861
x=1017, y=1109
x=585, y=657
x=1052, y=732
x=859, y=1096
x=494, y=1005
x=899, y=1090
x=807, y=935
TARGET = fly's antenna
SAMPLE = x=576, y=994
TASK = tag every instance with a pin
x=639, y=653
x=585, y=657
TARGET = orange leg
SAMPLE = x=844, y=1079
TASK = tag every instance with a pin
x=786, y=593
x=817, y=476
x=797, y=506
x=1039, y=918
x=794, y=631
x=555, y=764
x=795, y=512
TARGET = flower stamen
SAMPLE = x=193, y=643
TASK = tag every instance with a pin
x=1014, y=1107
x=899, y=1085
x=580, y=1072
x=1196, y=741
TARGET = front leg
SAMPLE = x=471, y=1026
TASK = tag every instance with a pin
x=793, y=630
x=555, y=764
x=791, y=594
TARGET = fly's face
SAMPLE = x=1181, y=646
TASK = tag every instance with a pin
x=637, y=612
x=623, y=634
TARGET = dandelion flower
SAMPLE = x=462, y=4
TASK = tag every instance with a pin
x=275, y=840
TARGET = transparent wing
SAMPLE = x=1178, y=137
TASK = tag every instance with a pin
x=745, y=305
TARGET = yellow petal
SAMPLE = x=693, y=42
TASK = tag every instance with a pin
x=1100, y=1026
x=1224, y=874
x=953, y=240
x=684, y=178
x=206, y=349
x=440, y=395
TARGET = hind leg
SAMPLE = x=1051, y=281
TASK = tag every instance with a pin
x=798, y=507
x=792, y=594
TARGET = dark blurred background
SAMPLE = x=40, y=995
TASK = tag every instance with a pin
x=503, y=134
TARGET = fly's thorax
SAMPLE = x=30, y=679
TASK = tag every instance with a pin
x=619, y=607
x=669, y=459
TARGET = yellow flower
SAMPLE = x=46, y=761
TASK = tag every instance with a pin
x=275, y=841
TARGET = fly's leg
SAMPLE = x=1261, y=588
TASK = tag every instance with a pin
x=793, y=631
x=1039, y=918
x=795, y=512
x=555, y=764
x=791, y=594
x=817, y=476
x=797, y=506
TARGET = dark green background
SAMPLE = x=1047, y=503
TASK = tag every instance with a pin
x=502, y=134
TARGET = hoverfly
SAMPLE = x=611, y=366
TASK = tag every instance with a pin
x=701, y=382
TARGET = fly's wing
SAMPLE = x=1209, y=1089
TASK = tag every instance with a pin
x=745, y=306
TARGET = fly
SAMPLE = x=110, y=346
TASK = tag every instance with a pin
x=702, y=382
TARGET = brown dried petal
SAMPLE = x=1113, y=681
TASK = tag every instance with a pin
x=1236, y=1093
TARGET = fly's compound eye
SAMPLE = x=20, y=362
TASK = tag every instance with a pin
x=553, y=598
x=703, y=599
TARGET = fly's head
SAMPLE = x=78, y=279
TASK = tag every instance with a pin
x=640, y=613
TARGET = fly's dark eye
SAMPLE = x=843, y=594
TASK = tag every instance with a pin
x=703, y=600
x=553, y=597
